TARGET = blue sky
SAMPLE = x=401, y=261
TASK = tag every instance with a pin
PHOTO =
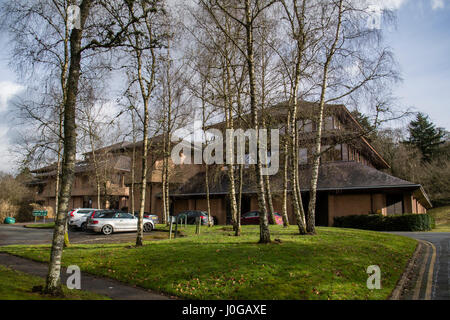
x=421, y=44
x=420, y=41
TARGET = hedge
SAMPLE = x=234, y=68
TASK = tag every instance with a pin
x=378, y=222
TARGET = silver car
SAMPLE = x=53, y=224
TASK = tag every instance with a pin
x=109, y=221
x=78, y=218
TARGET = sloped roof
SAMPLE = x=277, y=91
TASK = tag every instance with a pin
x=122, y=163
x=334, y=176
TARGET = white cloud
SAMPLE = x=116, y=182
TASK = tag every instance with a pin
x=384, y=4
x=7, y=90
x=437, y=4
x=6, y=160
x=392, y=4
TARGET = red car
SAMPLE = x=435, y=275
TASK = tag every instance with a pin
x=252, y=217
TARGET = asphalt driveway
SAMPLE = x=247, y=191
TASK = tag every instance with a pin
x=17, y=234
x=438, y=262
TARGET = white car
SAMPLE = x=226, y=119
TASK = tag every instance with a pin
x=109, y=221
x=78, y=217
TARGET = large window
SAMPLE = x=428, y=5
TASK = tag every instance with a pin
x=303, y=156
x=394, y=204
x=333, y=154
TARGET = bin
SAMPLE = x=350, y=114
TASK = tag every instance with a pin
x=10, y=220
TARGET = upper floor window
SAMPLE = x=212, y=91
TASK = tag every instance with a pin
x=305, y=126
x=333, y=153
x=332, y=123
x=303, y=156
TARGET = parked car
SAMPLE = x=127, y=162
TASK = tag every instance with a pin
x=252, y=217
x=109, y=221
x=78, y=217
x=154, y=217
x=192, y=214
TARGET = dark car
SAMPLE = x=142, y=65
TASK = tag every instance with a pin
x=192, y=214
x=252, y=217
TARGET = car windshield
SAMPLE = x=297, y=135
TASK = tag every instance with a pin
x=250, y=214
x=84, y=211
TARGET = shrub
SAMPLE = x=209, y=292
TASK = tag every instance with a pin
x=377, y=222
x=7, y=209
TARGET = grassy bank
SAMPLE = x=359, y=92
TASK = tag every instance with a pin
x=49, y=225
x=217, y=265
x=442, y=217
x=17, y=285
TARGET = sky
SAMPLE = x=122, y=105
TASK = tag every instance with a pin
x=420, y=41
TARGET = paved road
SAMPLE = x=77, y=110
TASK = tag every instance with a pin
x=17, y=234
x=109, y=287
x=440, y=285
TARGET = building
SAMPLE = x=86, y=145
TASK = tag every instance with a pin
x=111, y=170
x=351, y=178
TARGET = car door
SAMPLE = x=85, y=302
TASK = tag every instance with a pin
x=251, y=218
x=120, y=223
x=129, y=221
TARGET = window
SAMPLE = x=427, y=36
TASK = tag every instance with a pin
x=308, y=127
x=344, y=152
x=336, y=153
x=123, y=215
x=394, y=204
x=303, y=156
x=333, y=154
x=329, y=123
x=251, y=214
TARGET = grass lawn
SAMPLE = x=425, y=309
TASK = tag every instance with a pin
x=17, y=285
x=217, y=265
x=49, y=225
x=442, y=217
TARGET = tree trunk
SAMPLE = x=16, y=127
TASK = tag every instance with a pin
x=133, y=163
x=311, y=221
x=53, y=283
x=264, y=236
x=237, y=232
x=285, y=177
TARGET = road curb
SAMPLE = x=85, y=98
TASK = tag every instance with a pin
x=396, y=293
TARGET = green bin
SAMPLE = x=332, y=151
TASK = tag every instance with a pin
x=10, y=220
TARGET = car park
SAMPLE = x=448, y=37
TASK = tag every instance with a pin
x=191, y=216
x=110, y=221
x=252, y=217
x=78, y=218
x=153, y=217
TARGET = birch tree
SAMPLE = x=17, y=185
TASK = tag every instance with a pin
x=247, y=17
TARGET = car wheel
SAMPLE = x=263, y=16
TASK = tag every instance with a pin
x=107, y=229
x=148, y=227
x=84, y=226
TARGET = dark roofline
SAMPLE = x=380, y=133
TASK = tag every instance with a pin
x=411, y=186
x=423, y=195
x=363, y=139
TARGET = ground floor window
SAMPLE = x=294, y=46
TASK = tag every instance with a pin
x=394, y=204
